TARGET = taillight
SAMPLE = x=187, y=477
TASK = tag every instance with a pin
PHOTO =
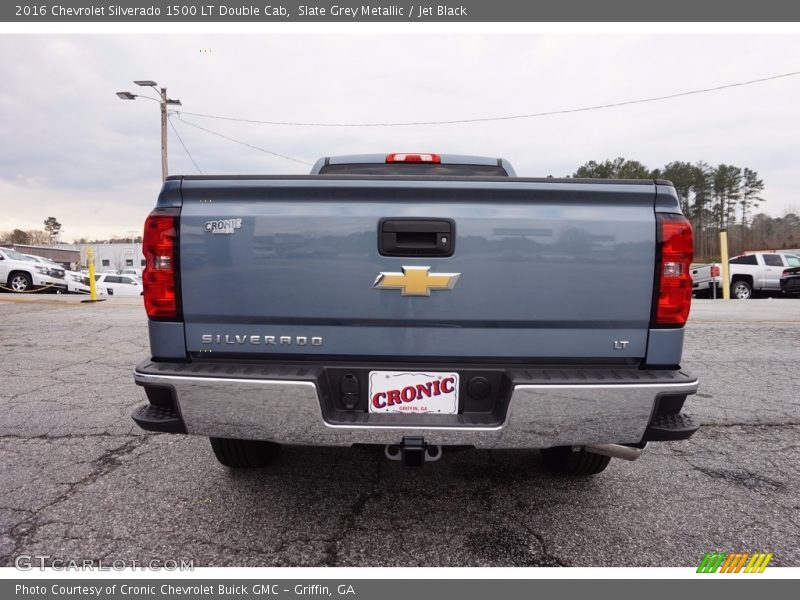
x=399, y=157
x=676, y=250
x=160, y=247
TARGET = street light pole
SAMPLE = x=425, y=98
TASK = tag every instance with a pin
x=134, y=254
x=163, y=100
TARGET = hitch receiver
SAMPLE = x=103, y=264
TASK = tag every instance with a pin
x=413, y=451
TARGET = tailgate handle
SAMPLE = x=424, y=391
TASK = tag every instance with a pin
x=416, y=237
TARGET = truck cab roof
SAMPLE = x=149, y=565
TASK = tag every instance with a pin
x=414, y=164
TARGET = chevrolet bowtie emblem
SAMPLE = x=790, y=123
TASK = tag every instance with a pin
x=416, y=281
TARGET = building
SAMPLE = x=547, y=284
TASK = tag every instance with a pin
x=62, y=254
x=109, y=256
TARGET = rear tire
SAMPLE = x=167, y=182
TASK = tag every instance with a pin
x=244, y=454
x=741, y=290
x=566, y=461
x=19, y=282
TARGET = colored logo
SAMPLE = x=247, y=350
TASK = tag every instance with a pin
x=416, y=281
x=734, y=562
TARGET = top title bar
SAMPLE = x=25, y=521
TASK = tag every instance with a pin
x=465, y=11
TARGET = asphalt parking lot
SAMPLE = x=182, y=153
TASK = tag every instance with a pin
x=80, y=481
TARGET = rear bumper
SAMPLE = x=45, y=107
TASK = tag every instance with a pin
x=707, y=284
x=45, y=281
x=545, y=407
x=790, y=286
x=75, y=287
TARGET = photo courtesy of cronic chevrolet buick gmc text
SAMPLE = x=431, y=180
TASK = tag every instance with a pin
x=418, y=301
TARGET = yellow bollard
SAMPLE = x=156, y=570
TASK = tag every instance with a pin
x=92, y=282
x=726, y=273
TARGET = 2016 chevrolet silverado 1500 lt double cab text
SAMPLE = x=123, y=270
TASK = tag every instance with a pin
x=417, y=301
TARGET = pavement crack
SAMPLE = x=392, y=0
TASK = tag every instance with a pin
x=506, y=546
x=66, y=436
x=545, y=558
x=107, y=462
x=750, y=425
x=744, y=478
x=347, y=523
x=25, y=392
x=546, y=555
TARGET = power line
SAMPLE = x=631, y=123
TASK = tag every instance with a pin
x=230, y=139
x=505, y=117
x=180, y=139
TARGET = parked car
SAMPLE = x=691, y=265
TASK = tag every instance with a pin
x=119, y=285
x=790, y=281
x=133, y=272
x=756, y=271
x=20, y=273
x=53, y=269
x=78, y=283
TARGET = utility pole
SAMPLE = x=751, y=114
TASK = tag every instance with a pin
x=163, y=133
x=163, y=100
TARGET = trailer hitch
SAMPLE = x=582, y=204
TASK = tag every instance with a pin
x=413, y=451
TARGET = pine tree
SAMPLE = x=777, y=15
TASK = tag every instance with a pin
x=53, y=227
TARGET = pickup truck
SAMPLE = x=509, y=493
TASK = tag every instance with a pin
x=417, y=302
x=748, y=273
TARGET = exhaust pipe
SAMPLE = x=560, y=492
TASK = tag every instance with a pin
x=616, y=451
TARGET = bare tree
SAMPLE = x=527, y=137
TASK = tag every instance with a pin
x=37, y=236
x=17, y=237
x=119, y=261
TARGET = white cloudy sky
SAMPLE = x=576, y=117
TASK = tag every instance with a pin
x=71, y=149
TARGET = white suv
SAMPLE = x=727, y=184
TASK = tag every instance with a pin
x=19, y=273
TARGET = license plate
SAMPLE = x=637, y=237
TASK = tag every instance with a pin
x=413, y=392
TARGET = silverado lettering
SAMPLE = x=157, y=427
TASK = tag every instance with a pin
x=256, y=340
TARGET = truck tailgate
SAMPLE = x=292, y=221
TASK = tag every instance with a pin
x=557, y=270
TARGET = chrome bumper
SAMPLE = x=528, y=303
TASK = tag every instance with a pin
x=539, y=415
